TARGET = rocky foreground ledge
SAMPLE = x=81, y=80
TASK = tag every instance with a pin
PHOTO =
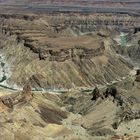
x=73, y=115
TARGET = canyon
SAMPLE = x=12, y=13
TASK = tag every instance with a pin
x=64, y=47
x=69, y=70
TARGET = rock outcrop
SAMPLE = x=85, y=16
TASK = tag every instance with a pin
x=71, y=56
x=31, y=113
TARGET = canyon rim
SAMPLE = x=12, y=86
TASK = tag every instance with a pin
x=70, y=70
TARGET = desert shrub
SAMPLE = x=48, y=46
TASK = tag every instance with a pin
x=2, y=64
x=3, y=79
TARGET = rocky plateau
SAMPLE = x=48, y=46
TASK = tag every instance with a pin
x=69, y=70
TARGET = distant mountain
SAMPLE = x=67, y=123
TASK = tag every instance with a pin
x=108, y=6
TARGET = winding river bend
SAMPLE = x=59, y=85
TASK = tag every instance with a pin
x=5, y=73
x=4, y=70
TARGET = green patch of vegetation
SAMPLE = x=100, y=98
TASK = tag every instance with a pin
x=110, y=85
x=3, y=79
x=87, y=90
x=2, y=64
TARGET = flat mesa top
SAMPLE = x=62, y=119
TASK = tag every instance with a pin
x=71, y=42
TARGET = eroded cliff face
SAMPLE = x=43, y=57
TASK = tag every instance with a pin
x=128, y=46
x=60, y=51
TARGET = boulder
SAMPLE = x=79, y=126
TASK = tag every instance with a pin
x=7, y=101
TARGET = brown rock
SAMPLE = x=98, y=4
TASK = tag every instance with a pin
x=116, y=138
x=8, y=101
x=27, y=89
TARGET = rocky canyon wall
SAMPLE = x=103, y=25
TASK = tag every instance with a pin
x=61, y=52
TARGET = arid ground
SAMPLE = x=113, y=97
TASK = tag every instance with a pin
x=70, y=70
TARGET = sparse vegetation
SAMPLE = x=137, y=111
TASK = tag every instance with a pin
x=2, y=64
x=110, y=90
x=3, y=79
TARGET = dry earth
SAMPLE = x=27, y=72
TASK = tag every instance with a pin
x=69, y=72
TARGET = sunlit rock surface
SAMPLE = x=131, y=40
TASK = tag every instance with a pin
x=69, y=70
